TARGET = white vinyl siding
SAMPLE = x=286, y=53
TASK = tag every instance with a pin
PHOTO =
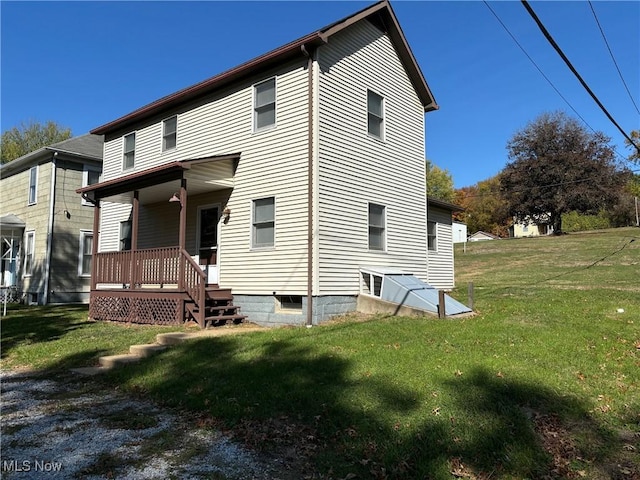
x=440, y=260
x=353, y=166
x=169, y=133
x=33, y=186
x=272, y=164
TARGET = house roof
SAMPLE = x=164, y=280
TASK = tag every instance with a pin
x=480, y=233
x=380, y=13
x=88, y=147
x=11, y=221
x=445, y=205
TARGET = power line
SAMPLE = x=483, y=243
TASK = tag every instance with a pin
x=557, y=48
x=612, y=57
x=544, y=76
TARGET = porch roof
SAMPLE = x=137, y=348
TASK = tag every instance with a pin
x=203, y=174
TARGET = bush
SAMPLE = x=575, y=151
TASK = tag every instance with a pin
x=576, y=222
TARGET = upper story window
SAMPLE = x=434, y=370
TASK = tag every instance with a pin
x=432, y=235
x=375, y=114
x=89, y=177
x=33, y=185
x=264, y=223
x=377, y=227
x=264, y=104
x=85, y=253
x=129, y=156
x=169, y=133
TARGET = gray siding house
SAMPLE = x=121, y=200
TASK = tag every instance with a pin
x=264, y=191
x=45, y=229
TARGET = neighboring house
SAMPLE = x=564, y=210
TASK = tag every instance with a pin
x=46, y=230
x=480, y=236
x=440, y=270
x=529, y=229
x=459, y=232
x=271, y=186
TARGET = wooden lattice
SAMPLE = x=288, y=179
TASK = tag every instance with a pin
x=134, y=309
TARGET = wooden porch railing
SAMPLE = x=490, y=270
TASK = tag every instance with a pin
x=162, y=268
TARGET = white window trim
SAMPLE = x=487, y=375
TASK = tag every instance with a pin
x=383, y=128
x=163, y=135
x=83, y=235
x=254, y=128
x=135, y=148
x=32, y=234
x=35, y=186
x=251, y=233
x=85, y=181
x=384, y=233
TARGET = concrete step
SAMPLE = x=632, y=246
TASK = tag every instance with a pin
x=172, y=338
x=146, y=350
x=112, y=361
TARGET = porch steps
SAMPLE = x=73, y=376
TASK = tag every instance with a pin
x=219, y=308
x=163, y=341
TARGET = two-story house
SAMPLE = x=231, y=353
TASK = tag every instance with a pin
x=45, y=229
x=271, y=186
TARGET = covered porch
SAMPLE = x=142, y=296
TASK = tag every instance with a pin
x=159, y=283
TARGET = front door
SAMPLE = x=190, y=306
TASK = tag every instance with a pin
x=208, y=221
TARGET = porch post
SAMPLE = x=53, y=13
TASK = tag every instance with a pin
x=182, y=240
x=135, y=267
x=94, y=247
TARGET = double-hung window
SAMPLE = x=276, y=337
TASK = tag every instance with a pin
x=33, y=185
x=85, y=253
x=377, y=227
x=375, y=114
x=169, y=133
x=129, y=156
x=125, y=235
x=264, y=105
x=30, y=245
x=264, y=223
x=432, y=235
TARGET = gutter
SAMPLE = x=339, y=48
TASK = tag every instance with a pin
x=52, y=204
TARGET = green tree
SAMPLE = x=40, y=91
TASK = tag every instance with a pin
x=634, y=156
x=439, y=183
x=485, y=209
x=27, y=137
x=556, y=167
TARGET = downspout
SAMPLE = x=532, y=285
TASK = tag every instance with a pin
x=309, y=186
x=52, y=204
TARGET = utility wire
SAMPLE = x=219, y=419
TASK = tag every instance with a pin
x=553, y=43
x=612, y=57
x=544, y=76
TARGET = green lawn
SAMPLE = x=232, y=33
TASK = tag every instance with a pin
x=543, y=382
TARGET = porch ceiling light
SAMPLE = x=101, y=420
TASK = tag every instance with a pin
x=176, y=198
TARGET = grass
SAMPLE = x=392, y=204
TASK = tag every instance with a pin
x=542, y=383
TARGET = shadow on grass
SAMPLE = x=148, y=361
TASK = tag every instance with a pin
x=40, y=324
x=276, y=395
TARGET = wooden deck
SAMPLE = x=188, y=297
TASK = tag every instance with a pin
x=160, y=286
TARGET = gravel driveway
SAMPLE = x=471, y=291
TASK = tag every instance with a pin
x=72, y=428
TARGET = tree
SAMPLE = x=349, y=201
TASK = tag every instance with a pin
x=484, y=208
x=27, y=137
x=634, y=156
x=555, y=167
x=439, y=183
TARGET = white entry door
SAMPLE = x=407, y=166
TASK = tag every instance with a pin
x=207, y=240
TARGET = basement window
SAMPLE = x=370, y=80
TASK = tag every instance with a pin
x=371, y=284
x=289, y=303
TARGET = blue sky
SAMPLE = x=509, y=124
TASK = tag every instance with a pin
x=83, y=64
